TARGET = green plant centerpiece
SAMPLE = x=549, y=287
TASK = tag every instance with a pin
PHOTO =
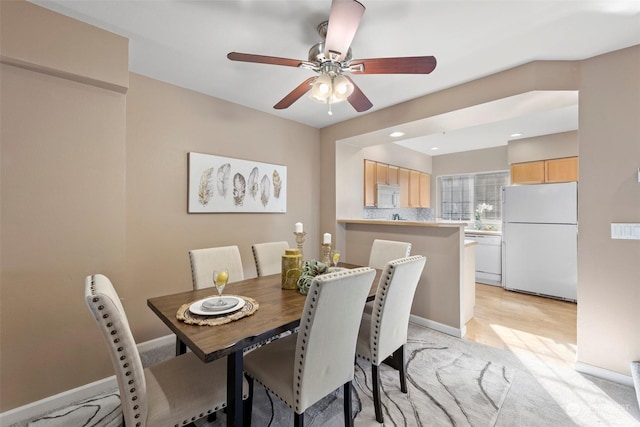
x=310, y=269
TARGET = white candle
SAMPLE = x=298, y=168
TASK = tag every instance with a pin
x=298, y=227
x=326, y=239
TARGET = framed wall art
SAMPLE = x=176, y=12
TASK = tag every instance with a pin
x=225, y=184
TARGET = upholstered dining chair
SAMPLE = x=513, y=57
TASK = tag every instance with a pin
x=383, y=251
x=204, y=261
x=383, y=333
x=303, y=368
x=173, y=393
x=268, y=257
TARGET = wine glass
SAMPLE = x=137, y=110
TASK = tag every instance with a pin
x=335, y=257
x=220, y=278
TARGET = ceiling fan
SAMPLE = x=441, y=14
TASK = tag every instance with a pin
x=331, y=59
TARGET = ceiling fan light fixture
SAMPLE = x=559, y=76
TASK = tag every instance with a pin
x=321, y=89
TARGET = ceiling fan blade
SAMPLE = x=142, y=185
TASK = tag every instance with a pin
x=402, y=65
x=262, y=59
x=344, y=20
x=358, y=99
x=295, y=94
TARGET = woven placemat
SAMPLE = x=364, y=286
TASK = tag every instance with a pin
x=250, y=307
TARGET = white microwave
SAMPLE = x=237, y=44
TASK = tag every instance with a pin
x=388, y=196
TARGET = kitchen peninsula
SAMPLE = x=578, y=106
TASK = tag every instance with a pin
x=446, y=292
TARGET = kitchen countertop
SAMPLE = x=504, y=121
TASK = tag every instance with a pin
x=403, y=222
x=483, y=232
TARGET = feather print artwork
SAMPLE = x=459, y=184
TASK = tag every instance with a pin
x=205, y=190
x=239, y=189
x=223, y=179
x=252, y=184
x=277, y=184
x=265, y=190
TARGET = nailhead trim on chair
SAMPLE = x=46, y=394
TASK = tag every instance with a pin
x=116, y=340
x=378, y=311
x=255, y=259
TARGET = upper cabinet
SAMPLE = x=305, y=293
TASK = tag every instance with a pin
x=382, y=173
x=425, y=190
x=394, y=179
x=527, y=173
x=415, y=186
x=561, y=170
x=369, y=183
x=545, y=171
x=414, y=189
x=403, y=181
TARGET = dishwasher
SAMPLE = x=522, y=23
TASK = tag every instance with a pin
x=488, y=258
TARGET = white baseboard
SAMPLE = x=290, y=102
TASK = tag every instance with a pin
x=68, y=397
x=606, y=374
x=445, y=329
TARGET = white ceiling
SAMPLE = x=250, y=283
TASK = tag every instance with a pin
x=186, y=42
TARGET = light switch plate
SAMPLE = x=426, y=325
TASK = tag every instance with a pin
x=626, y=231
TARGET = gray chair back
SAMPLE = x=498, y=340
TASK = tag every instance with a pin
x=383, y=251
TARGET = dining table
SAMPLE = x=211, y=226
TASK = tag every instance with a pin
x=279, y=310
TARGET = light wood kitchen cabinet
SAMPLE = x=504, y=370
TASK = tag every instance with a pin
x=369, y=183
x=392, y=177
x=403, y=181
x=382, y=173
x=545, y=171
x=561, y=170
x=425, y=190
x=527, y=173
x=414, y=189
x=415, y=186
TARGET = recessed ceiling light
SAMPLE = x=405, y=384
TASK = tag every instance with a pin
x=515, y=135
x=396, y=134
x=434, y=148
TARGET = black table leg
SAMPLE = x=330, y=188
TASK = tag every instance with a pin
x=235, y=372
x=181, y=348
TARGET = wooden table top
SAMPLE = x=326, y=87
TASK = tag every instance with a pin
x=280, y=310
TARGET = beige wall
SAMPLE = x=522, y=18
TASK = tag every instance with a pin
x=609, y=270
x=93, y=180
x=164, y=123
x=63, y=200
x=554, y=146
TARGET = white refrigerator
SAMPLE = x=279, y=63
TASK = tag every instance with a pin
x=540, y=238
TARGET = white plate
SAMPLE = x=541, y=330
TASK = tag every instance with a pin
x=196, y=307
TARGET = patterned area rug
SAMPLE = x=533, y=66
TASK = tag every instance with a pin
x=103, y=411
x=447, y=386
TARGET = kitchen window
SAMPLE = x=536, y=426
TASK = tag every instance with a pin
x=460, y=194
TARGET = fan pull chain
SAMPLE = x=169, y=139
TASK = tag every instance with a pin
x=330, y=112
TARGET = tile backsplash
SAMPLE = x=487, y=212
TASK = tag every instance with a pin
x=412, y=214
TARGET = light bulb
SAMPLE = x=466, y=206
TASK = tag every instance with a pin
x=342, y=87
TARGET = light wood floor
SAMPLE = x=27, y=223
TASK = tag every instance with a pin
x=524, y=323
